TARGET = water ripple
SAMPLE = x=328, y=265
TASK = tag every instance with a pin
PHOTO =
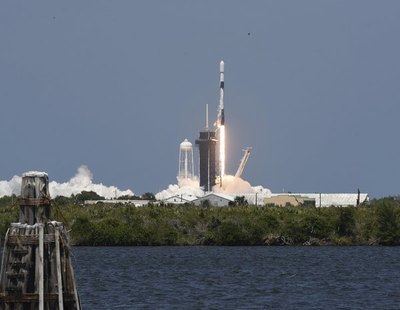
x=238, y=277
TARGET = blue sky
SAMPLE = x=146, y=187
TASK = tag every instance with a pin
x=312, y=86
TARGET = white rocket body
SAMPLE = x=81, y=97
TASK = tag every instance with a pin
x=221, y=114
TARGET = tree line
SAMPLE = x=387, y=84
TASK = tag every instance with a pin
x=377, y=223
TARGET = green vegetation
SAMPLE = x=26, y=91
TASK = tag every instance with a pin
x=8, y=213
x=240, y=224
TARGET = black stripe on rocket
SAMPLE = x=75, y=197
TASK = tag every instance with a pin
x=222, y=84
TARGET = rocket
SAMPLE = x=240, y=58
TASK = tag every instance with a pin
x=221, y=114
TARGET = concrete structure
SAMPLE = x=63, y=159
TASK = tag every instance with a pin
x=214, y=199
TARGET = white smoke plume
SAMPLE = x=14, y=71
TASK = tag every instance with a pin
x=82, y=181
x=236, y=186
x=185, y=187
x=8, y=188
x=232, y=186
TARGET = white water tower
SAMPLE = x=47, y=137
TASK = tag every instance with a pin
x=186, y=166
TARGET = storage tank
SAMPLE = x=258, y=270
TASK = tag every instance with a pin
x=186, y=165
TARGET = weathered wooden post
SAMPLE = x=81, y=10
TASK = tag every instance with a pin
x=36, y=270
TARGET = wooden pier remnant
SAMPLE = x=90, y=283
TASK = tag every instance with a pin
x=36, y=269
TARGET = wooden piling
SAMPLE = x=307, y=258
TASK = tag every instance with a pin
x=59, y=277
x=34, y=250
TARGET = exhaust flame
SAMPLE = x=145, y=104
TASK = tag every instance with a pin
x=222, y=151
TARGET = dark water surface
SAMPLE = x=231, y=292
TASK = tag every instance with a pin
x=238, y=277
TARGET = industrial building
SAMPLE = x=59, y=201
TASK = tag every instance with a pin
x=286, y=200
x=214, y=199
x=179, y=199
x=111, y=202
x=320, y=199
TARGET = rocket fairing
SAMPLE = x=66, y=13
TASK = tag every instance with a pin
x=221, y=114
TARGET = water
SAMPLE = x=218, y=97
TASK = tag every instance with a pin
x=238, y=277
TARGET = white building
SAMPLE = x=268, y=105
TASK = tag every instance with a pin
x=214, y=199
x=327, y=200
x=180, y=199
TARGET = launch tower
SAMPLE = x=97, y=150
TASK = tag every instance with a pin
x=206, y=143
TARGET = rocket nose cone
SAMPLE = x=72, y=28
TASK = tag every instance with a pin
x=221, y=66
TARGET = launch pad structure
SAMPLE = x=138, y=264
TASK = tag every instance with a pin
x=207, y=143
